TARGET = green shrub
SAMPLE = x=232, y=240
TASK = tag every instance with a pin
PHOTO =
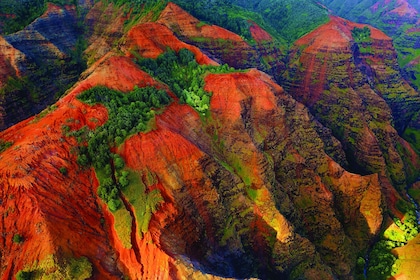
x=17, y=238
x=4, y=145
x=183, y=75
x=23, y=275
x=63, y=170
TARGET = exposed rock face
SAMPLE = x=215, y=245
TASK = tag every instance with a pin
x=105, y=25
x=225, y=46
x=151, y=40
x=10, y=61
x=353, y=88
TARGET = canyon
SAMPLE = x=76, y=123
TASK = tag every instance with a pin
x=298, y=167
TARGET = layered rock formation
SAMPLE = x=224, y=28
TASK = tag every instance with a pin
x=356, y=90
x=260, y=186
x=397, y=19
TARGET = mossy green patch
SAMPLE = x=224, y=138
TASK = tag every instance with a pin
x=52, y=268
x=4, y=145
x=122, y=226
x=144, y=202
x=413, y=136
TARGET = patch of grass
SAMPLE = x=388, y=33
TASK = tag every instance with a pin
x=144, y=202
x=252, y=193
x=383, y=263
x=122, y=226
x=413, y=136
x=181, y=72
x=4, y=145
x=53, y=268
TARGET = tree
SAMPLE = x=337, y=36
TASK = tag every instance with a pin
x=114, y=204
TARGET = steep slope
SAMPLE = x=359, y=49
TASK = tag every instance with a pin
x=49, y=63
x=251, y=179
x=330, y=69
x=398, y=19
x=225, y=46
x=348, y=76
x=250, y=184
x=9, y=61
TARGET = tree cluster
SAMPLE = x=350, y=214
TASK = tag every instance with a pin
x=127, y=114
x=361, y=34
x=181, y=72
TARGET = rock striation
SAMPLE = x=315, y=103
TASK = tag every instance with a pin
x=269, y=183
x=356, y=90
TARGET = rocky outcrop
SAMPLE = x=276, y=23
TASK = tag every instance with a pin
x=224, y=46
x=105, y=26
x=49, y=37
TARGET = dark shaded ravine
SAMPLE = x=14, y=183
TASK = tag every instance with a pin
x=135, y=246
x=129, y=208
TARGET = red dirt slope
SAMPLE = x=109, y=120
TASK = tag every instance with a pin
x=151, y=39
x=225, y=46
x=55, y=213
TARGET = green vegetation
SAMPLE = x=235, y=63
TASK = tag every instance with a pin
x=23, y=275
x=137, y=9
x=4, y=145
x=52, y=268
x=362, y=38
x=181, y=72
x=413, y=136
x=122, y=225
x=382, y=263
x=144, y=203
x=63, y=170
x=15, y=15
x=286, y=21
x=17, y=238
x=20, y=14
x=127, y=114
x=361, y=34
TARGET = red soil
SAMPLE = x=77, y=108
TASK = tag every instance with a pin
x=56, y=213
x=151, y=39
x=259, y=34
x=244, y=85
x=336, y=34
x=180, y=21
